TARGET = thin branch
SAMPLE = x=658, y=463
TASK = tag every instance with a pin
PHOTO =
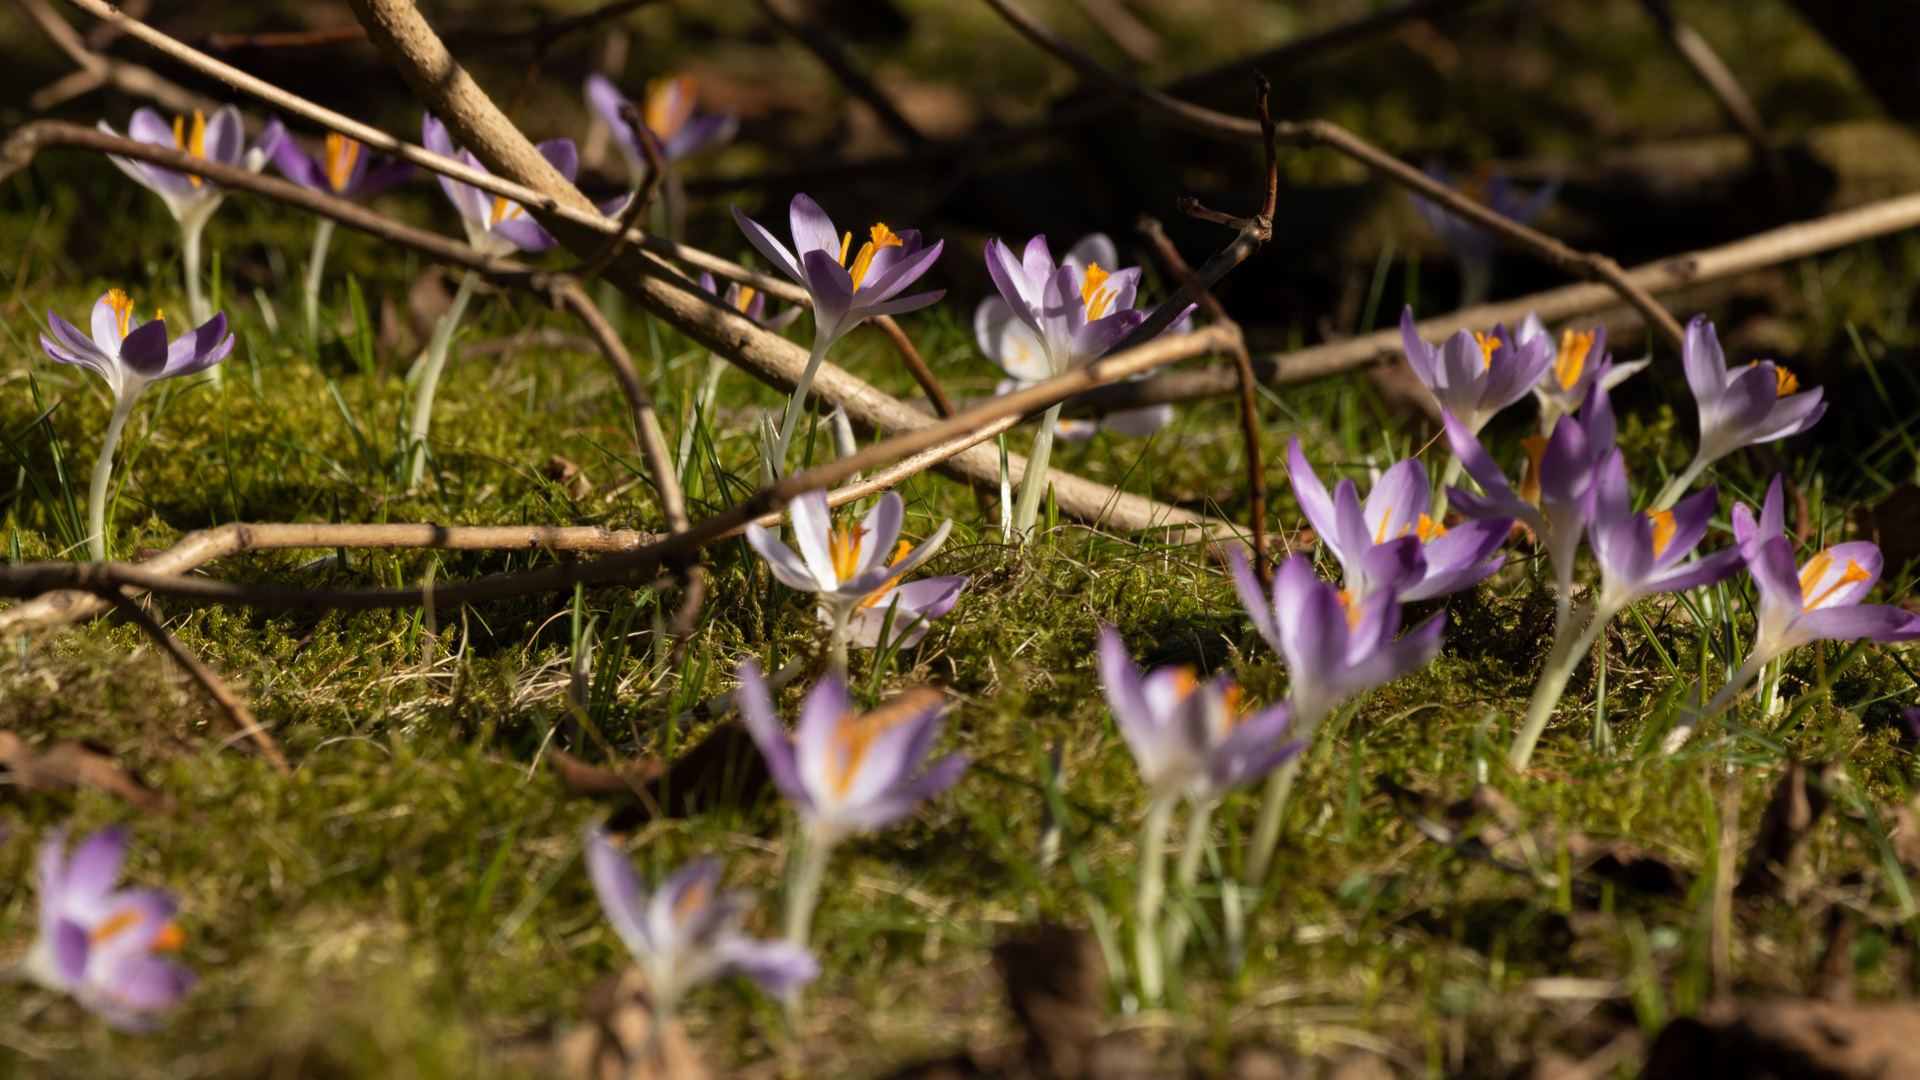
x=640, y=201
x=209, y=679
x=1770, y=248
x=1726, y=90
x=916, y=366
x=823, y=45
x=1226, y=128
x=97, y=70
x=545, y=31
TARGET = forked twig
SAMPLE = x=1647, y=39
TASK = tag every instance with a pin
x=822, y=44
x=209, y=679
x=642, y=199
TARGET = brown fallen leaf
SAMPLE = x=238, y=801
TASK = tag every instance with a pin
x=1790, y=816
x=1894, y=524
x=1789, y=1039
x=618, y=1020
x=1056, y=982
x=724, y=767
x=68, y=764
x=571, y=477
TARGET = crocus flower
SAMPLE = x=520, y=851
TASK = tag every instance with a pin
x=1738, y=407
x=668, y=114
x=1580, y=362
x=131, y=356
x=1391, y=544
x=1801, y=605
x=97, y=942
x=1473, y=249
x=1473, y=375
x=845, y=294
x=855, y=570
x=495, y=224
x=688, y=932
x=345, y=170
x=1014, y=343
x=193, y=199
x=844, y=772
x=750, y=302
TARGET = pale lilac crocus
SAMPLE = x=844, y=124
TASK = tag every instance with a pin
x=193, y=199
x=1738, y=407
x=669, y=114
x=687, y=932
x=844, y=293
x=844, y=772
x=1474, y=375
x=1641, y=554
x=1580, y=362
x=1017, y=347
x=1474, y=250
x=98, y=942
x=130, y=355
x=1799, y=605
x=1335, y=646
x=1391, y=543
x=1552, y=496
x=854, y=571
x=345, y=170
x=1189, y=740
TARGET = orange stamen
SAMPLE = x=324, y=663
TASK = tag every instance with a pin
x=1428, y=529
x=883, y=237
x=114, y=926
x=1663, y=529
x=1352, y=609
x=692, y=900
x=502, y=209
x=1572, y=361
x=342, y=153
x=1816, y=569
x=852, y=738
x=196, y=143
x=1094, y=292
x=1488, y=344
x=873, y=598
x=1380, y=537
x=122, y=306
x=1535, y=445
x=170, y=938
x=669, y=104
x=843, y=547
x=745, y=300
x=1785, y=382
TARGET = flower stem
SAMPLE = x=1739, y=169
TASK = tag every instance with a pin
x=809, y=868
x=1148, y=894
x=431, y=365
x=1678, y=485
x=1569, y=646
x=837, y=640
x=1186, y=873
x=316, y=267
x=1034, y=483
x=190, y=232
x=1678, y=736
x=1449, y=475
x=102, y=477
x=702, y=404
x=1266, y=830
x=797, y=404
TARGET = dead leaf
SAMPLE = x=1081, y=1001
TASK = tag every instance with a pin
x=1794, y=1038
x=1894, y=524
x=69, y=764
x=1790, y=815
x=724, y=767
x=569, y=475
x=618, y=1020
x=1056, y=983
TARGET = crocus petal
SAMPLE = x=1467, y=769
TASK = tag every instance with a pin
x=1252, y=598
x=812, y=229
x=137, y=987
x=200, y=348
x=900, y=802
x=791, y=570
x=524, y=233
x=1311, y=494
x=768, y=245
x=94, y=868
x=878, y=531
x=700, y=133
x=1009, y=342
x=763, y=723
x=622, y=896
x=832, y=289
x=1398, y=502
x=562, y=155
x=1097, y=338
x=779, y=967
x=899, y=305
x=1419, y=353
x=1718, y=566
x=296, y=166
x=1791, y=415
x=1137, y=423
x=1093, y=249
x=144, y=352
x=897, y=275
x=225, y=136
x=1705, y=364
x=913, y=608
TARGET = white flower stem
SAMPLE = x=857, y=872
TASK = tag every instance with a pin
x=1266, y=830
x=1680, y=483
x=316, y=268
x=809, y=868
x=1449, y=475
x=1678, y=736
x=1034, y=483
x=1148, y=894
x=190, y=232
x=431, y=365
x=702, y=402
x=102, y=479
x=1186, y=874
x=837, y=641
x=797, y=404
x=1570, y=645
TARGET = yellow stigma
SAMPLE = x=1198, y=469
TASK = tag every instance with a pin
x=1663, y=529
x=1352, y=609
x=196, y=143
x=502, y=210
x=122, y=306
x=1428, y=529
x=1785, y=382
x=873, y=598
x=745, y=299
x=843, y=547
x=882, y=238
x=1488, y=344
x=1572, y=361
x=669, y=105
x=342, y=153
x=1380, y=536
x=170, y=938
x=691, y=901
x=851, y=738
x=1535, y=446
x=1094, y=292
x=1816, y=569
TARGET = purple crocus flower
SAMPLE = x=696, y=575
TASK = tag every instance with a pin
x=1738, y=407
x=1473, y=249
x=1580, y=363
x=668, y=114
x=132, y=355
x=1473, y=375
x=1640, y=553
x=222, y=139
x=1189, y=738
x=1017, y=347
x=1391, y=544
x=97, y=942
x=345, y=169
x=1075, y=311
x=750, y=302
x=495, y=224
x=846, y=293
x=688, y=932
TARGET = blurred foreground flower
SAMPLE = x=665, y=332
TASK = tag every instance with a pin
x=844, y=294
x=97, y=942
x=1801, y=605
x=1391, y=544
x=130, y=356
x=192, y=199
x=855, y=570
x=1739, y=407
x=1473, y=249
x=668, y=113
x=688, y=932
x=1580, y=362
x=1189, y=739
x=345, y=170
x=845, y=772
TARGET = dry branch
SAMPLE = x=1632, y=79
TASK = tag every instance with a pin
x=1216, y=125
x=823, y=45
x=1726, y=90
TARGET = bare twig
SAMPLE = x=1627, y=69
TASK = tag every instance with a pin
x=209, y=679
x=288, y=39
x=1726, y=90
x=97, y=70
x=916, y=366
x=1115, y=21
x=1769, y=248
x=642, y=199
x=823, y=45
x=546, y=30
x=1226, y=128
